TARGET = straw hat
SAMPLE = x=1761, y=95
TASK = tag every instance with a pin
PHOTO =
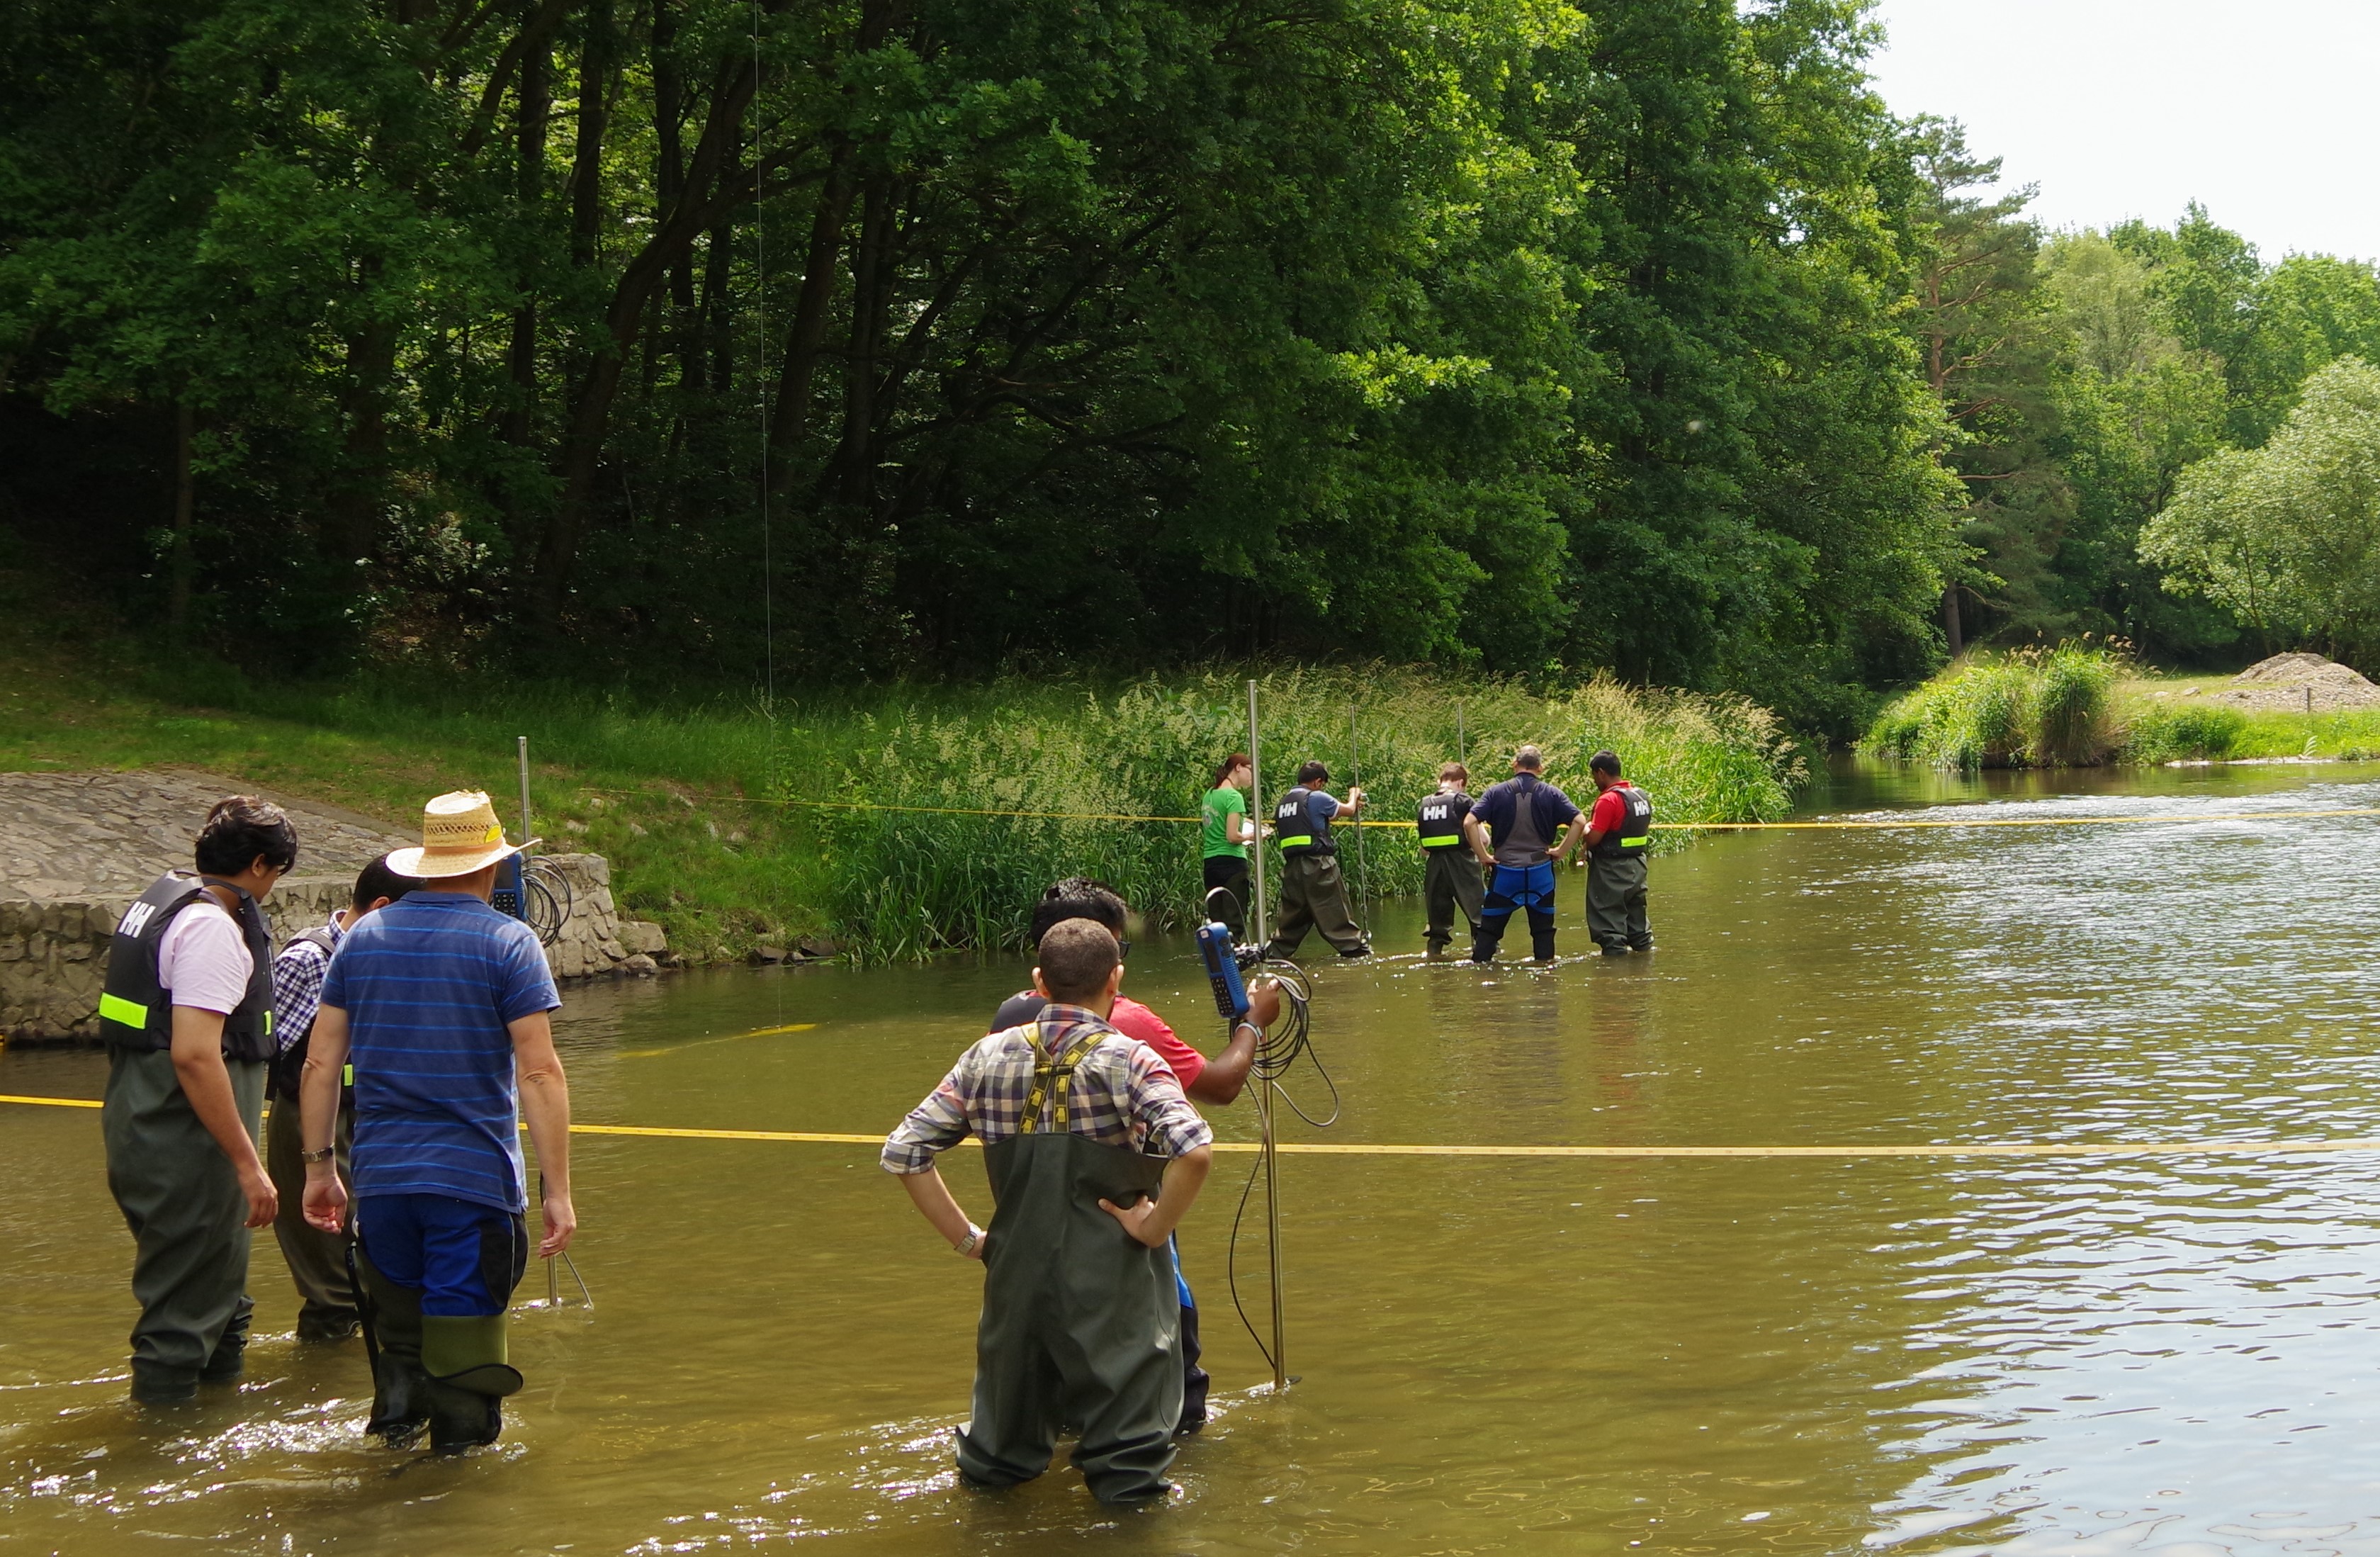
x=459, y=834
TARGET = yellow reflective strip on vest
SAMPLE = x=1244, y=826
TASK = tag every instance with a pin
x=1450, y=838
x=115, y=1008
x=268, y=1024
x=349, y=1078
x=1638, y=842
x=1303, y=841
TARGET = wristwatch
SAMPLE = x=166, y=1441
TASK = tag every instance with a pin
x=966, y=1246
x=323, y=1156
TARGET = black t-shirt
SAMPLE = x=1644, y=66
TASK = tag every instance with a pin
x=1023, y=1006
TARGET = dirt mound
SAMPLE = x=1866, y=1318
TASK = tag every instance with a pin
x=2300, y=670
x=2284, y=683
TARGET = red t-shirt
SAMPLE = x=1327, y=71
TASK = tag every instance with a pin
x=1130, y=1018
x=1610, y=810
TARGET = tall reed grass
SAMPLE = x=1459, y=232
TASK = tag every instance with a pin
x=907, y=885
x=2028, y=708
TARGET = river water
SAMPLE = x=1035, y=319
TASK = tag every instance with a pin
x=2174, y=1354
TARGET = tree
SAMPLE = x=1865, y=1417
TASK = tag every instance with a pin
x=2288, y=536
x=1980, y=321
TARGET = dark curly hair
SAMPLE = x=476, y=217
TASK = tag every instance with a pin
x=237, y=829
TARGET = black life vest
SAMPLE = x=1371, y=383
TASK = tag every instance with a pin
x=1440, y=819
x=290, y=1064
x=137, y=1011
x=1629, y=840
x=1296, y=829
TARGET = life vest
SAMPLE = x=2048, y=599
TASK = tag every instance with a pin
x=1296, y=829
x=290, y=1064
x=1629, y=840
x=1440, y=820
x=137, y=1011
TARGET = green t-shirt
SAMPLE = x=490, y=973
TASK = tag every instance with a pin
x=1218, y=807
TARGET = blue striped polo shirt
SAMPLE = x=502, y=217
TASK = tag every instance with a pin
x=428, y=984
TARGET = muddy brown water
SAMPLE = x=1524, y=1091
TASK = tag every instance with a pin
x=1911, y=1355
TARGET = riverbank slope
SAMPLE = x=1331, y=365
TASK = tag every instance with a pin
x=746, y=830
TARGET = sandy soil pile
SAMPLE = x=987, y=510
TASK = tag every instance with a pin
x=2281, y=684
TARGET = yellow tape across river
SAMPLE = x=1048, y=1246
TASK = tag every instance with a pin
x=1357, y=1149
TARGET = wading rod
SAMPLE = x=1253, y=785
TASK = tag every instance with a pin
x=1272, y=1226
x=523, y=788
x=1363, y=859
x=1462, y=742
x=1256, y=810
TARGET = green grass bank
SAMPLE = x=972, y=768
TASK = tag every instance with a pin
x=2080, y=705
x=726, y=822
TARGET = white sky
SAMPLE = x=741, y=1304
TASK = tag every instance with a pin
x=2261, y=110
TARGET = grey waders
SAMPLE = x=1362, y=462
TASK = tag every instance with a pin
x=1081, y=1321
x=181, y=1197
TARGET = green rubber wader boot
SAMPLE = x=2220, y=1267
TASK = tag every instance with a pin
x=1081, y=1324
x=469, y=1377
x=392, y=1324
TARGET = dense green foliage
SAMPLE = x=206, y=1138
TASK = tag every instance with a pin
x=2023, y=709
x=2287, y=537
x=1512, y=334
x=905, y=882
x=2085, y=373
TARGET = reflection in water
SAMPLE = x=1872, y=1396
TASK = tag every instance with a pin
x=1497, y=1355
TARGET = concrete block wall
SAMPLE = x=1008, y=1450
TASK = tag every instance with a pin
x=54, y=953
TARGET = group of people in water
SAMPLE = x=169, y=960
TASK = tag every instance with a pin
x=1486, y=857
x=407, y=1043
x=1083, y=1100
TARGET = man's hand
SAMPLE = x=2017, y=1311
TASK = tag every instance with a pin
x=326, y=1198
x=561, y=1222
x=264, y=1200
x=1264, y=1004
x=1135, y=1218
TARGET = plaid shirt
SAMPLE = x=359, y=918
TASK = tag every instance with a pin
x=1123, y=1095
x=297, y=986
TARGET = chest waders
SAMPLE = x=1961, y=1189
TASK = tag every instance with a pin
x=1450, y=879
x=1522, y=879
x=1617, y=878
x=179, y=1193
x=1081, y=1321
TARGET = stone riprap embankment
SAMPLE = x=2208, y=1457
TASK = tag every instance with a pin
x=77, y=849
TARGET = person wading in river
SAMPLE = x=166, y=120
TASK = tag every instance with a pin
x=1313, y=893
x=1093, y=1156
x=1450, y=877
x=1619, y=838
x=187, y=1012
x=1224, y=835
x=444, y=1006
x=317, y=1260
x=1218, y=1080
x=1508, y=828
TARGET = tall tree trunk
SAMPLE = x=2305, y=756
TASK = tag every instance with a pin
x=669, y=114
x=708, y=194
x=181, y=566
x=855, y=455
x=1952, y=633
x=363, y=476
x=587, y=159
x=536, y=108
x=790, y=419
x=717, y=323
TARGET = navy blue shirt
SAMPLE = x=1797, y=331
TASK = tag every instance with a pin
x=430, y=984
x=1551, y=808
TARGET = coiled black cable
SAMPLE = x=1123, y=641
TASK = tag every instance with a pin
x=1275, y=1058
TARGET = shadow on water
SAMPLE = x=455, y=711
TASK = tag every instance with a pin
x=1518, y=1354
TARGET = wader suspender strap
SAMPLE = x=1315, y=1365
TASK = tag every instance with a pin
x=1059, y=1071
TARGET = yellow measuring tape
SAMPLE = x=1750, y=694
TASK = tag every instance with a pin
x=1321, y=1148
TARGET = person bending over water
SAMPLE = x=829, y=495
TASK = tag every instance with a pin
x=1093, y=1156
